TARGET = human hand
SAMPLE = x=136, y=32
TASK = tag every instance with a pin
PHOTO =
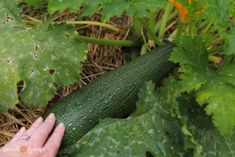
x=35, y=142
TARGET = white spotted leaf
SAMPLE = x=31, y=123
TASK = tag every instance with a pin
x=43, y=58
x=110, y=8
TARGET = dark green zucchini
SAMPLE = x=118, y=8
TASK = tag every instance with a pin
x=111, y=95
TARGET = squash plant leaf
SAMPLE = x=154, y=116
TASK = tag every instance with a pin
x=216, y=88
x=34, y=2
x=193, y=59
x=43, y=57
x=113, y=8
x=215, y=11
x=229, y=46
x=142, y=134
x=137, y=136
x=9, y=11
x=9, y=77
x=146, y=96
x=214, y=144
x=8, y=87
x=110, y=8
x=219, y=11
x=208, y=138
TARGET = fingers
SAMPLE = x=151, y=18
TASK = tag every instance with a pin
x=29, y=132
x=18, y=134
x=41, y=134
x=34, y=126
x=53, y=143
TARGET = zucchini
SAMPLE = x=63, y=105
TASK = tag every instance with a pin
x=111, y=95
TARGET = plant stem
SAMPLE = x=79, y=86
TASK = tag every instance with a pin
x=215, y=59
x=124, y=43
x=143, y=50
x=144, y=39
x=208, y=27
x=34, y=21
x=164, y=20
x=203, y=24
x=152, y=21
x=215, y=40
x=31, y=21
x=170, y=26
x=173, y=35
x=151, y=34
x=137, y=24
x=171, y=16
x=105, y=25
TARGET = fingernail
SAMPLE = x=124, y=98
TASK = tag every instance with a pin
x=51, y=116
x=22, y=128
x=61, y=125
x=39, y=119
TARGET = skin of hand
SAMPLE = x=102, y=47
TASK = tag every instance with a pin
x=37, y=141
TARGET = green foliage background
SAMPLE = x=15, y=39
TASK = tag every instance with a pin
x=192, y=114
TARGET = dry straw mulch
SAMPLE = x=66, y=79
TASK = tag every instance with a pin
x=100, y=60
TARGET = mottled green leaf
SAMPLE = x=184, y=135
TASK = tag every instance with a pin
x=43, y=57
x=114, y=8
x=219, y=93
x=167, y=97
x=221, y=99
x=8, y=86
x=219, y=11
x=210, y=141
x=192, y=56
x=60, y=5
x=230, y=46
x=9, y=75
x=228, y=69
x=90, y=9
x=215, y=145
x=34, y=2
x=110, y=8
x=142, y=8
x=214, y=87
x=9, y=11
x=133, y=137
x=147, y=96
x=215, y=11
